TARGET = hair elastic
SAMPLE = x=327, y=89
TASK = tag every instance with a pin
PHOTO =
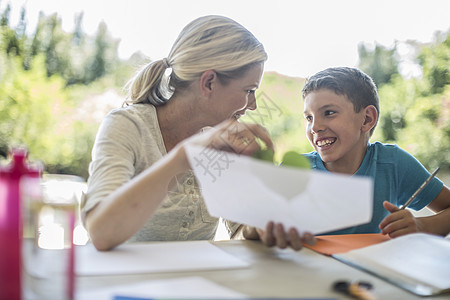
x=166, y=63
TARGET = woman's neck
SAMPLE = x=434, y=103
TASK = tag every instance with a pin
x=177, y=121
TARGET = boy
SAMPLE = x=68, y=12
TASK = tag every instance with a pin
x=341, y=111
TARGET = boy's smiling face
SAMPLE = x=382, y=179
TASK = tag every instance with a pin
x=335, y=130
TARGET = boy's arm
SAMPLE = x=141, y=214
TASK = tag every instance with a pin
x=440, y=222
x=401, y=222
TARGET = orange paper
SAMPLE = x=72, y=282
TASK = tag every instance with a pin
x=333, y=244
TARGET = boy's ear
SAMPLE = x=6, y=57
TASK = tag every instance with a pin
x=207, y=82
x=370, y=118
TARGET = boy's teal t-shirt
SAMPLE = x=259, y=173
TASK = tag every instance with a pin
x=397, y=175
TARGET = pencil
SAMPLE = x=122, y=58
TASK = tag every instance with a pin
x=419, y=189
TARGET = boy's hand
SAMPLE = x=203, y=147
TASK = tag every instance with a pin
x=274, y=235
x=399, y=222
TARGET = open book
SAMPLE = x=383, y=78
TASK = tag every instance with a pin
x=419, y=262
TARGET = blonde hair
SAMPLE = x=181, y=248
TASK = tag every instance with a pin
x=207, y=43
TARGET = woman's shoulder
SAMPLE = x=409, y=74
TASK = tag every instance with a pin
x=133, y=111
x=137, y=114
x=137, y=121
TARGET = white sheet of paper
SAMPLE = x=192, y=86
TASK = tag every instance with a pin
x=186, y=288
x=419, y=261
x=153, y=258
x=253, y=192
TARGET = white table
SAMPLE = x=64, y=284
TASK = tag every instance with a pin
x=273, y=273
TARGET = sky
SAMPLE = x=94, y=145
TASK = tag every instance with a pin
x=300, y=37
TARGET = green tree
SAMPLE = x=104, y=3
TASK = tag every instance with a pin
x=435, y=62
x=56, y=60
x=34, y=45
x=280, y=110
x=395, y=99
x=77, y=58
x=415, y=112
x=105, y=55
x=39, y=96
x=11, y=43
x=428, y=135
x=37, y=111
x=380, y=63
x=26, y=99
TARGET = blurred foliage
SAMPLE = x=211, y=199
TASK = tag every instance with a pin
x=48, y=83
x=56, y=86
x=415, y=112
x=435, y=62
x=381, y=63
x=280, y=110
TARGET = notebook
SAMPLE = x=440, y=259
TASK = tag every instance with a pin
x=418, y=263
x=334, y=244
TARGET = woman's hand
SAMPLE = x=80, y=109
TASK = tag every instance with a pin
x=233, y=136
x=399, y=222
x=275, y=235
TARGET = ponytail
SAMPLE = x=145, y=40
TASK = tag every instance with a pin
x=150, y=84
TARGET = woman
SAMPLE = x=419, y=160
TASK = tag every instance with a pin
x=141, y=187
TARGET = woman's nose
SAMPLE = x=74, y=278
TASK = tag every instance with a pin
x=251, y=105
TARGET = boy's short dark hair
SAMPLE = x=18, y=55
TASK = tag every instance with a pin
x=353, y=83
